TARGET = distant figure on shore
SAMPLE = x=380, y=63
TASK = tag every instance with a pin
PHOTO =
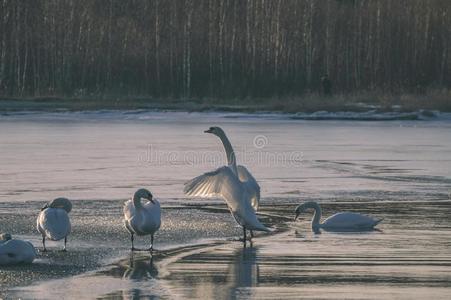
x=421, y=84
x=327, y=85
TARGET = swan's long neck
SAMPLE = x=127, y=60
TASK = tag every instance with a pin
x=231, y=158
x=317, y=215
x=137, y=201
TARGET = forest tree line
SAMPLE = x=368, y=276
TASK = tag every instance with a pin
x=221, y=48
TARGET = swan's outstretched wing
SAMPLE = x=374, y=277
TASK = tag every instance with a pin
x=221, y=182
x=251, y=185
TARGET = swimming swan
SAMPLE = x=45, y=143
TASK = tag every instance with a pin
x=234, y=184
x=344, y=221
x=53, y=221
x=14, y=251
x=142, y=219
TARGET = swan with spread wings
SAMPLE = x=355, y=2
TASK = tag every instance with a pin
x=234, y=183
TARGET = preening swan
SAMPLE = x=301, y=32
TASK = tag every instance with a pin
x=53, y=221
x=14, y=251
x=142, y=219
x=234, y=184
x=344, y=221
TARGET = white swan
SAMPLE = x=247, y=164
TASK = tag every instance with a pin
x=234, y=184
x=344, y=221
x=142, y=219
x=14, y=251
x=53, y=221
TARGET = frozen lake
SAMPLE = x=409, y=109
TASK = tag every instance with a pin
x=396, y=170
x=107, y=155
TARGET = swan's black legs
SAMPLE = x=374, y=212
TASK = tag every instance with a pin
x=252, y=233
x=65, y=242
x=132, y=261
x=133, y=247
x=244, y=235
x=43, y=243
x=150, y=249
x=151, y=243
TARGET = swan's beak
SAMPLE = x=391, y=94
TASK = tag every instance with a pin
x=151, y=199
x=296, y=217
x=208, y=131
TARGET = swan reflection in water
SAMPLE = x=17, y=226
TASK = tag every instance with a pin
x=221, y=273
x=224, y=273
x=241, y=274
x=244, y=270
x=140, y=268
x=140, y=273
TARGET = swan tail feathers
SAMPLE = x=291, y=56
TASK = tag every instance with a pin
x=259, y=227
x=378, y=221
x=265, y=229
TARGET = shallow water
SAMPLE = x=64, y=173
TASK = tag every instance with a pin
x=397, y=170
x=407, y=258
x=400, y=261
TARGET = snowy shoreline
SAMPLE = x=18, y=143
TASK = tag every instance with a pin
x=145, y=114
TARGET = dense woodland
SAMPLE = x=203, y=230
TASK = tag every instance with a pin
x=221, y=48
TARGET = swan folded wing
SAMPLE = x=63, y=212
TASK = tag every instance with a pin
x=153, y=216
x=16, y=251
x=153, y=210
x=221, y=182
x=349, y=220
x=55, y=224
x=129, y=210
x=250, y=184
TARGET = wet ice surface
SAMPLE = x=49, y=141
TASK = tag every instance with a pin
x=100, y=238
x=398, y=170
x=408, y=258
x=108, y=157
